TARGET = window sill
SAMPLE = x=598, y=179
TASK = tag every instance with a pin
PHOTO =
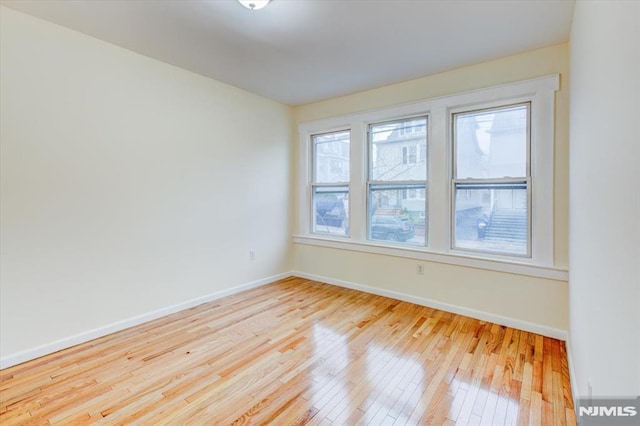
x=512, y=267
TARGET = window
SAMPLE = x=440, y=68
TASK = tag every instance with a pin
x=409, y=154
x=330, y=187
x=465, y=179
x=491, y=180
x=397, y=172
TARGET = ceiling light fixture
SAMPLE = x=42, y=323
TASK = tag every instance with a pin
x=254, y=4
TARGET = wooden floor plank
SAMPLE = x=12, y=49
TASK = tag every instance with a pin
x=298, y=352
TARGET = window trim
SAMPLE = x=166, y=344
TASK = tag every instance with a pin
x=539, y=91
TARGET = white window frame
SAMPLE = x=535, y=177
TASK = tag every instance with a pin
x=456, y=180
x=390, y=183
x=540, y=92
x=314, y=184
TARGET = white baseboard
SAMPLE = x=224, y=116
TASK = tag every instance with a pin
x=481, y=315
x=575, y=393
x=29, y=354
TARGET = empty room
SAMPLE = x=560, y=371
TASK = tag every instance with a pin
x=292, y=212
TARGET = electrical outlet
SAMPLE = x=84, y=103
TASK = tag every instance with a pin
x=420, y=269
x=252, y=255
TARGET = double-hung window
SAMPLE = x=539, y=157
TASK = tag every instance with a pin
x=465, y=179
x=492, y=180
x=330, y=183
x=397, y=176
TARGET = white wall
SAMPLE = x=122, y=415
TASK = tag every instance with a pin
x=521, y=299
x=128, y=185
x=604, y=239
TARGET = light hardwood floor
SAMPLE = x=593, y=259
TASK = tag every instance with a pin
x=298, y=352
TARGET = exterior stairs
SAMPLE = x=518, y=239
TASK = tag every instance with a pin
x=507, y=225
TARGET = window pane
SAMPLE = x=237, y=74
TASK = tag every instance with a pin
x=492, y=217
x=398, y=150
x=331, y=157
x=396, y=213
x=331, y=210
x=492, y=143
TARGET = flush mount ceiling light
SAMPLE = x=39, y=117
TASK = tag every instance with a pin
x=254, y=4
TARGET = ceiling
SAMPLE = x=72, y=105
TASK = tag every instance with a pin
x=301, y=51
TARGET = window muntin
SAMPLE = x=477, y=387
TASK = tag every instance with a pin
x=330, y=183
x=397, y=178
x=491, y=183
